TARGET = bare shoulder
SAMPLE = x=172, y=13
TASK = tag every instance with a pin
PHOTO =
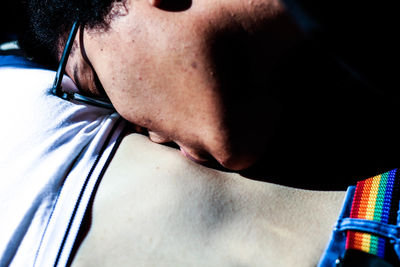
x=156, y=208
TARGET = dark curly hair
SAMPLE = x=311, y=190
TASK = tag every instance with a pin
x=42, y=26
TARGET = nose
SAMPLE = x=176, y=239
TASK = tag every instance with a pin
x=222, y=150
x=230, y=162
x=238, y=162
x=237, y=158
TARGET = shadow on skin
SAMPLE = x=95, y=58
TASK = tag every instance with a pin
x=331, y=131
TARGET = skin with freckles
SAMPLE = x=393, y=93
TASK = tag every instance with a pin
x=236, y=84
x=176, y=73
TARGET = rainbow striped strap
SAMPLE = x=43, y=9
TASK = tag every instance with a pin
x=375, y=199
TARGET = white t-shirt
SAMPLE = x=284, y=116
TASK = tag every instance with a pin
x=53, y=153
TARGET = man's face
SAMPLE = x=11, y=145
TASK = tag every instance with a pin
x=196, y=74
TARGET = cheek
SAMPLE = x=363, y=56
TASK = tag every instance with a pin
x=181, y=103
x=187, y=107
x=169, y=85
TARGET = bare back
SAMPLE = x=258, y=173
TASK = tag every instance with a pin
x=156, y=208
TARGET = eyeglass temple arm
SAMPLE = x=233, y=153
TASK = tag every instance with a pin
x=64, y=59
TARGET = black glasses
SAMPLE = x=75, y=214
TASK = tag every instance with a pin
x=57, y=89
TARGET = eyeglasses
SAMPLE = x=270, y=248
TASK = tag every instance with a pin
x=57, y=88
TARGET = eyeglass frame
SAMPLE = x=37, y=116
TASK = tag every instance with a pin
x=57, y=88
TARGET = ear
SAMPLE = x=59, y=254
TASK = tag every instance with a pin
x=171, y=5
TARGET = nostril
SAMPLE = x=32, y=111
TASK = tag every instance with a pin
x=172, y=5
